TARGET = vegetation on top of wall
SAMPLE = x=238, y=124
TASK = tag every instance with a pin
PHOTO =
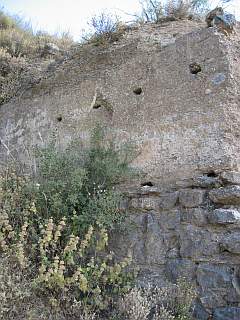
x=25, y=55
x=18, y=38
x=159, y=11
x=104, y=28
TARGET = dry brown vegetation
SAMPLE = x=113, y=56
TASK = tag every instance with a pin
x=160, y=11
x=25, y=55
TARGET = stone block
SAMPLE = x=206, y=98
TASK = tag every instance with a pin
x=231, y=296
x=145, y=203
x=197, y=243
x=154, y=247
x=206, y=182
x=199, y=312
x=231, y=242
x=171, y=241
x=191, y=198
x=168, y=200
x=226, y=195
x=173, y=253
x=196, y=216
x=227, y=313
x=231, y=177
x=224, y=216
x=170, y=220
x=212, y=299
x=176, y=268
x=211, y=276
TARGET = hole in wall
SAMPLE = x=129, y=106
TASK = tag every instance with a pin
x=147, y=184
x=137, y=90
x=96, y=106
x=211, y=174
x=59, y=118
x=195, y=68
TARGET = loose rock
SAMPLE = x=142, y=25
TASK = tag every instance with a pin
x=224, y=216
x=228, y=313
x=232, y=242
x=231, y=177
x=226, y=195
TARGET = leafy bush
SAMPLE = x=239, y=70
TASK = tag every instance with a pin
x=6, y=22
x=104, y=29
x=10, y=70
x=79, y=183
x=56, y=225
x=54, y=229
x=65, y=268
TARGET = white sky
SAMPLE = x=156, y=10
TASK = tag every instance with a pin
x=72, y=15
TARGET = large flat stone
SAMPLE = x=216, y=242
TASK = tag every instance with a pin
x=213, y=298
x=211, y=276
x=224, y=216
x=226, y=195
x=227, y=313
x=232, y=242
x=196, y=216
x=170, y=220
x=206, y=182
x=231, y=177
x=144, y=203
x=199, y=312
x=215, y=283
x=191, y=198
x=168, y=200
x=197, y=243
x=176, y=268
x=154, y=246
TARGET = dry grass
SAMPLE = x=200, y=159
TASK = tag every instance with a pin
x=160, y=11
x=25, y=55
x=172, y=302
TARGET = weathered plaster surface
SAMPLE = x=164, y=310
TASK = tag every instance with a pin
x=186, y=127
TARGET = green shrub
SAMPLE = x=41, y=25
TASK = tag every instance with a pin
x=54, y=229
x=79, y=183
x=6, y=22
x=104, y=28
x=56, y=225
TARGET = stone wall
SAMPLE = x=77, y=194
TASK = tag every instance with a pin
x=190, y=232
x=185, y=218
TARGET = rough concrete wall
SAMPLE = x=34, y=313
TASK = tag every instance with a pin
x=186, y=128
x=177, y=121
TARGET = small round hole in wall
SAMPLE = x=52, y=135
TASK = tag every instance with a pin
x=211, y=174
x=59, y=118
x=137, y=90
x=96, y=106
x=195, y=68
x=147, y=184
